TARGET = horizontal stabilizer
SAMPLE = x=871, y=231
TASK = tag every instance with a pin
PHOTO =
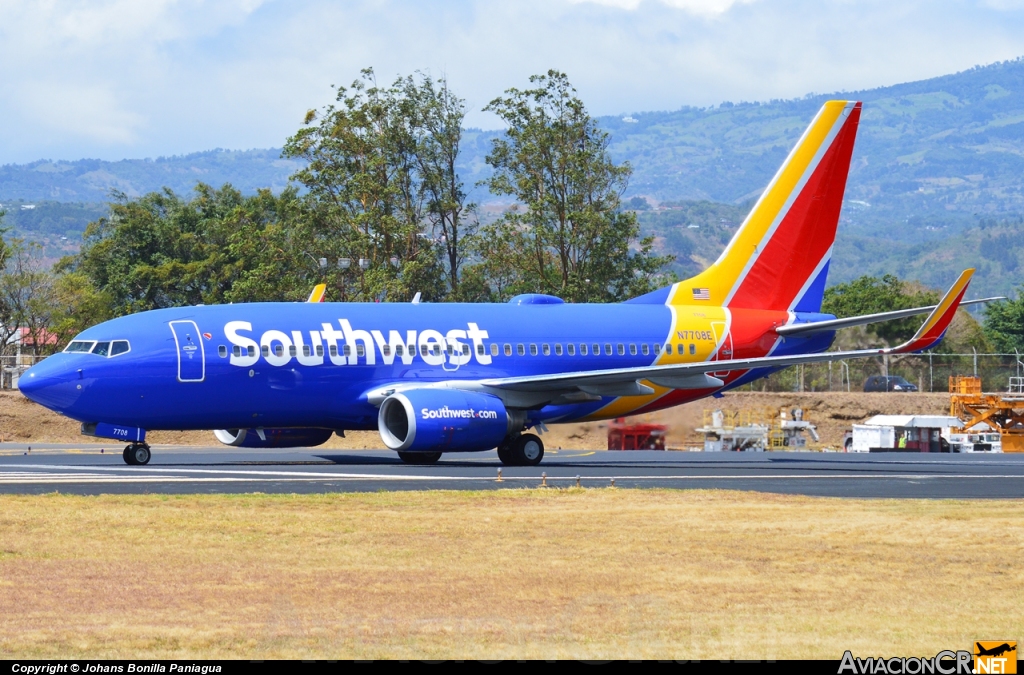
x=849, y=322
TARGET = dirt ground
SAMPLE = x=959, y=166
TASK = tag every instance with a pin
x=544, y=573
x=24, y=422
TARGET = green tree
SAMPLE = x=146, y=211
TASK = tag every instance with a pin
x=437, y=127
x=76, y=305
x=569, y=235
x=162, y=250
x=30, y=294
x=8, y=320
x=1004, y=324
x=365, y=200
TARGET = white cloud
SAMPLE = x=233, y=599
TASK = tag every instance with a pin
x=122, y=78
x=700, y=7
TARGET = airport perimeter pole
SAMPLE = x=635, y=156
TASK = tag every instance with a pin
x=931, y=378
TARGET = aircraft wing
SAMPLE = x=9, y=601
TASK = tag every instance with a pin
x=628, y=381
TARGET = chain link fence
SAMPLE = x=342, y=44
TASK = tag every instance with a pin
x=929, y=371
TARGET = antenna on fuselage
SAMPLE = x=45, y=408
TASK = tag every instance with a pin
x=416, y=298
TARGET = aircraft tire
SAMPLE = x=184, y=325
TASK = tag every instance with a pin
x=137, y=455
x=419, y=457
x=505, y=454
x=528, y=450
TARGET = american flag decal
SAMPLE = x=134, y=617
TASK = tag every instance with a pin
x=701, y=294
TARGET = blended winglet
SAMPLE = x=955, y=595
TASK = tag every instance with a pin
x=318, y=293
x=930, y=333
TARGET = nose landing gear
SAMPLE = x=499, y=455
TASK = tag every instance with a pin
x=137, y=454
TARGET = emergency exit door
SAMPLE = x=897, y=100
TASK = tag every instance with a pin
x=191, y=355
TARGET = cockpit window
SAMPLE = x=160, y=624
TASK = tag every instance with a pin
x=119, y=347
x=80, y=346
x=101, y=349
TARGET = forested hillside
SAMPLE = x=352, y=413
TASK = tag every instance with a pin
x=93, y=180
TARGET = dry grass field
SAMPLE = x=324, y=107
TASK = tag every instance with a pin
x=579, y=573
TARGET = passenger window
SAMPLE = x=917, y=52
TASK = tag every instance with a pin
x=278, y=350
x=436, y=349
x=319, y=350
x=632, y=349
x=360, y=350
x=465, y=350
x=423, y=350
x=481, y=350
x=252, y=350
x=533, y=349
x=448, y=348
x=520, y=349
x=680, y=349
x=494, y=349
x=571, y=349
x=546, y=348
x=306, y=350
x=79, y=346
x=508, y=349
x=583, y=349
x=558, y=349
x=222, y=350
x=334, y=350
x=386, y=350
x=693, y=349
x=597, y=349
x=657, y=349
x=645, y=349
x=398, y=350
x=236, y=351
x=668, y=347
x=346, y=350
x=621, y=349
x=122, y=347
x=293, y=351
x=101, y=348
x=266, y=350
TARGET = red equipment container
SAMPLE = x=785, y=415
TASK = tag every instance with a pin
x=622, y=436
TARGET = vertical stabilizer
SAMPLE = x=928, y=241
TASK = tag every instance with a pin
x=779, y=257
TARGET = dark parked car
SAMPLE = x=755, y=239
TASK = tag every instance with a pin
x=888, y=383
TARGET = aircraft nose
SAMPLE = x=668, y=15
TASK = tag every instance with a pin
x=49, y=382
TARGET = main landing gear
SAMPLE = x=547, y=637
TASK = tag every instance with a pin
x=521, y=450
x=137, y=454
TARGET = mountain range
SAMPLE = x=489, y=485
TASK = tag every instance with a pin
x=937, y=180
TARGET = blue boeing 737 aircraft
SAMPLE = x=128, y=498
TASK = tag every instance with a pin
x=436, y=378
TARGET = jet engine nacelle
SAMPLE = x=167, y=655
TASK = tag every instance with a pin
x=273, y=438
x=443, y=420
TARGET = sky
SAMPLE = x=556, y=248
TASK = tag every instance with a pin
x=115, y=79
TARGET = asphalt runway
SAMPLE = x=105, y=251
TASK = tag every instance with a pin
x=84, y=469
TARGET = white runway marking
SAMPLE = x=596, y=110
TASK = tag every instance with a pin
x=52, y=474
